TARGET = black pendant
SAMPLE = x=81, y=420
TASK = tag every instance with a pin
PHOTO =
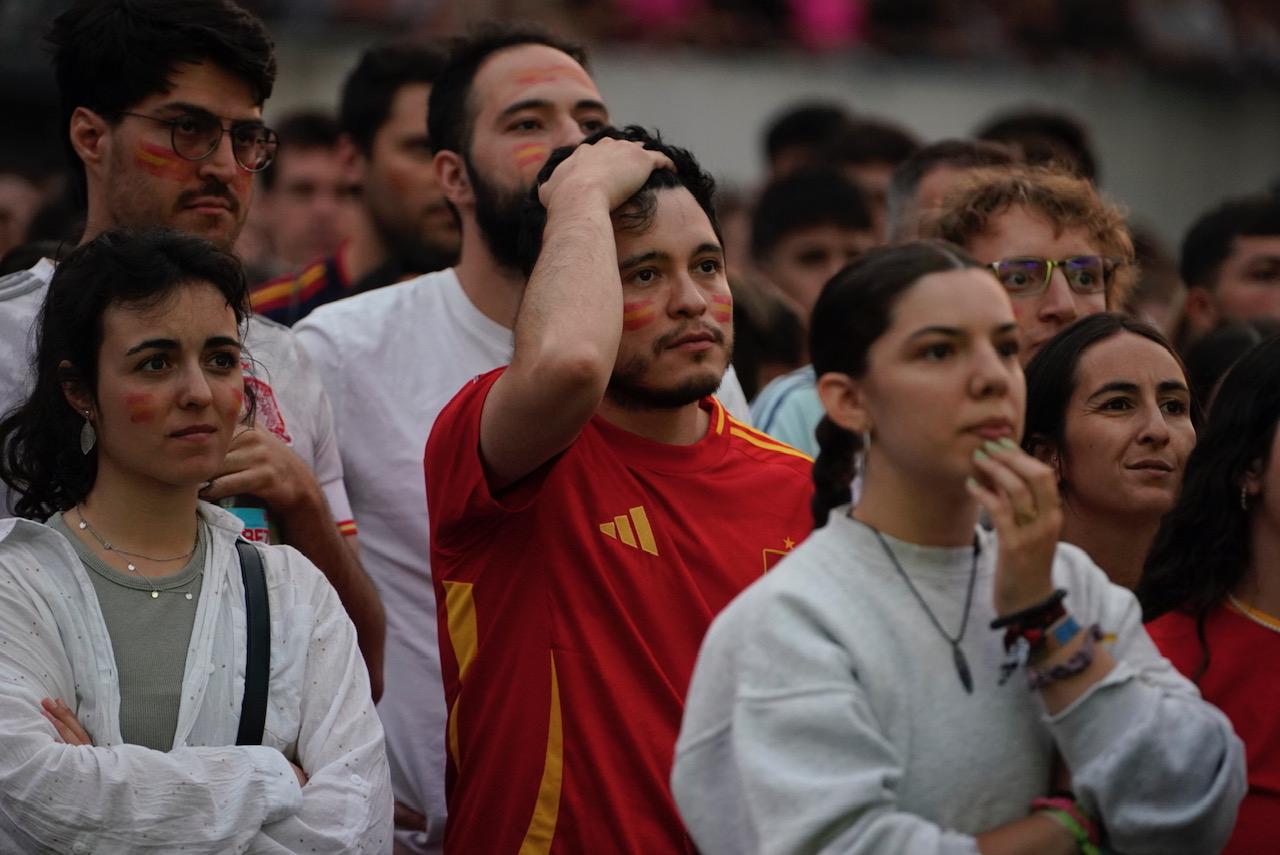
x=962, y=668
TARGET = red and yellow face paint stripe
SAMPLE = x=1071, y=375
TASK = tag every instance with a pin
x=159, y=160
x=530, y=154
x=722, y=308
x=638, y=314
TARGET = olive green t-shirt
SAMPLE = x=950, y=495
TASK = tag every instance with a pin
x=149, y=636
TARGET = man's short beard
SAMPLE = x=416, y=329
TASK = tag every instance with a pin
x=498, y=215
x=627, y=388
x=414, y=253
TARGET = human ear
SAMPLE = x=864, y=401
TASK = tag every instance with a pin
x=73, y=389
x=843, y=397
x=1201, y=309
x=89, y=134
x=354, y=163
x=1046, y=451
x=451, y=172
x=1251, y=482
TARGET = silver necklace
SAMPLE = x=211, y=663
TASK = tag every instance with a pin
x=110, y=547
x=957, y=655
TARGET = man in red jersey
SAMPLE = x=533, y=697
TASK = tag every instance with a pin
x=592, y=508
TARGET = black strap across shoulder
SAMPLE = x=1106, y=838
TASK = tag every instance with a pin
x=257, y=668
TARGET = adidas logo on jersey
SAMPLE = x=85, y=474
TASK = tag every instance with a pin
x=633, y=530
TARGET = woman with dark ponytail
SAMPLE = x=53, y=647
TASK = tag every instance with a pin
x=904, y=680
x=1211, y=586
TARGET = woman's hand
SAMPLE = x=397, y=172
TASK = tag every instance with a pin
x=1020, y=494
x=64, y=721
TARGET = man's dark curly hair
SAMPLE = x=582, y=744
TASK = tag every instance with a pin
x=637, y=213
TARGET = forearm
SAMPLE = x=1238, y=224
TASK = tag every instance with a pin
x=308, y=526
x=1032, y=835
x=570, y=317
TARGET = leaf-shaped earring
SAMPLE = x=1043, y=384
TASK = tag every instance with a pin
x=87, y=435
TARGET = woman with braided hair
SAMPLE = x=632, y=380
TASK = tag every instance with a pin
x=903, y=680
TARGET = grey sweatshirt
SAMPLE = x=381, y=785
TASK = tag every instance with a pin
x=825, y=715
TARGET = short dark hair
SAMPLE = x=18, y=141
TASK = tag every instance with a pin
x=1052, y=374
x=954, y=153
x=371, y=87
x=854, y=309
x=805, y=124
x=867, y=140
x=306, y=130
x=40, y=456
x=1046, y=136
x=1209, y=240
x=450, y=120
x=110, y=54
x=815, y=196
x=635, y=214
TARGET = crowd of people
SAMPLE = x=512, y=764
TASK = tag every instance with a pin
x=477, y=483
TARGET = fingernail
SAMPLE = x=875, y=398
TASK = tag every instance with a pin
x=971, y=483
x=1008, y=443
x=992, y=447
x=979, y=454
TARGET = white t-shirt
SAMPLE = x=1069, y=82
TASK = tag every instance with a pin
x=291, y=402
x=391, y=360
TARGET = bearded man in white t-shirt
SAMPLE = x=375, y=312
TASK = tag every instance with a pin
x=391, y=359
x=162, y=118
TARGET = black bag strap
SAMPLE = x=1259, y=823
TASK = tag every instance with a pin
x=257, y=665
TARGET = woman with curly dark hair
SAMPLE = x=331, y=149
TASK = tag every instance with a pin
x=1211, y=586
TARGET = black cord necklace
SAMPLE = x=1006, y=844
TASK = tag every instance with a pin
x=957, y=655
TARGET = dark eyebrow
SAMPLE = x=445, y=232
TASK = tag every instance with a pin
x=641, y=258
x=152, y=344
x=192, y=109
x=1115, y=386
x=950, y=332
x=171, y=344
x=709, y=247
x=543, y=104
x=1172, y=386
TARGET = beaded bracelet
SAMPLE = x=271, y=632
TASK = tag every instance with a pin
x=1042, y=613
x=1068, y=813
x=1038, y=678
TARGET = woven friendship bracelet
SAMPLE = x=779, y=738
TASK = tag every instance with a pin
x=1038, y=678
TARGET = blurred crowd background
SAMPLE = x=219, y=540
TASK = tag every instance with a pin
x=1180, y=98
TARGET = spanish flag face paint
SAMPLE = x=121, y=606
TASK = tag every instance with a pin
x=530, y=154
x=140, y=406
x=638, y=315
x=162, y=162
x=721, y=308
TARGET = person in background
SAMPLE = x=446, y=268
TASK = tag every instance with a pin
x=1211, y=587
x=1230, y=262
x=578, y=549
x=1059, y=249
x=1158, y=295
x=920, y=183
x=794, y=138
x=807, y=227
x=129, y=635
x=162, y=110
x=1111, y=410
x=1045, y=137
x=19, y=201
x=868, y=150
x=855, y=700
x=308, y=196
x=402, y=224
x=1212, y=355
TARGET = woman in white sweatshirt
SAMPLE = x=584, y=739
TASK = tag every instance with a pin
x=852, y=700
x=123, y=655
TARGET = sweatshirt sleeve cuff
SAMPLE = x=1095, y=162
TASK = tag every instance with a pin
x=1088, y=727
x=281, y=791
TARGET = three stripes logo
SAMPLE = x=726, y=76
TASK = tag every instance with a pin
x=633, y=530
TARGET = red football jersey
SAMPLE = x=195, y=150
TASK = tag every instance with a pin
x=571, y=609
x=1242, y=681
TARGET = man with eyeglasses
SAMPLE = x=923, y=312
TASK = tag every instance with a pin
x=162, y=111
x=1060, y=251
